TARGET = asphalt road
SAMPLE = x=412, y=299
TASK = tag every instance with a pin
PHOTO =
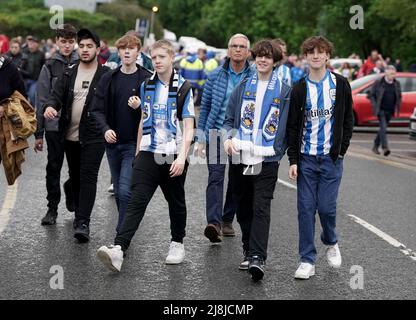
x=380, y=191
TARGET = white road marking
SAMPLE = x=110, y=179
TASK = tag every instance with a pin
x=385, y=237
x=383, y=161
x=390, y=141
x=287, y=184
x=395, y=243
x=8, y=206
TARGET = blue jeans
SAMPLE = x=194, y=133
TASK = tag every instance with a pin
x=215, y=189
x=31, y=87
x=120, y=158
x=319, y=179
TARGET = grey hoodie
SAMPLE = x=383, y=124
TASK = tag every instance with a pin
x=46, y=81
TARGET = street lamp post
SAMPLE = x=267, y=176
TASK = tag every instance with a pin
x=155, y=9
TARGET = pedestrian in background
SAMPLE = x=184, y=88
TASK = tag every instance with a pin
x=217, y=93
x=35, y=61
x=283, y=71
x=386, y=98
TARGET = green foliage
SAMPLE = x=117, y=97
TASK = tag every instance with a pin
x=389, y=25
x=23, y=17
x=126, y=12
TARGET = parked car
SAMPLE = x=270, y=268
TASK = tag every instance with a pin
x=412, y=125
x=363, y=113
x=354, y=63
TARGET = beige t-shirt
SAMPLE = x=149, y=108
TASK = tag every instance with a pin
x=81, y=88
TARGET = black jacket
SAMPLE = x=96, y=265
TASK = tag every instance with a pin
x=103, y=109
x=51, y=72
x=62, y=97
x=377, y=93
x=343, y=120
x=10, y=79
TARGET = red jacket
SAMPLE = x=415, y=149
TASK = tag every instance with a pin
x=367, y=67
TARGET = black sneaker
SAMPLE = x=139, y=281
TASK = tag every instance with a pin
x=386, y=152
x=82, y=233
x=69, y=197
x=256, y=268
x=50, y=218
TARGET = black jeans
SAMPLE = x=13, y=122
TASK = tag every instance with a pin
x=147, y=176
x=384, y=118
x=56, y=153
x=84, y=163
x=253, y=195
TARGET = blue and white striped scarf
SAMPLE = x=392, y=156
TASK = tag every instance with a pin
x=260, y=140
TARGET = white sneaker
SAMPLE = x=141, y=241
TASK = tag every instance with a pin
x=111, y=189
x=111, y=256
x=333, y=256
x=176, y=253
x=305, y=271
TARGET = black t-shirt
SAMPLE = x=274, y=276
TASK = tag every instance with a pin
x=126, y=118
x=389, y=97
x=10, y=80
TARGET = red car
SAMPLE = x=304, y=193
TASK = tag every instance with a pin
x=363, y=113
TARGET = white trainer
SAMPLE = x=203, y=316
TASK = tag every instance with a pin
x=305, y=271
x=111, y=257
x=333, y=256
x=111, y=189
x=176, y=253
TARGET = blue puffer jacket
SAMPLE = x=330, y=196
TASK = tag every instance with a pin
x=215, y=90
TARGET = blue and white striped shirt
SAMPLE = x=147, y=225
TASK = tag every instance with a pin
x=317, y=136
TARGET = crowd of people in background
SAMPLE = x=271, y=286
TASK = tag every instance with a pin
x=29, y=55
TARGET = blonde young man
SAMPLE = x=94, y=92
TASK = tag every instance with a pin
x=162, y=150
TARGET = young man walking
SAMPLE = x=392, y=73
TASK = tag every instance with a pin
x=118, y=121
x=256, y=125
x=84, y=144
x=319, y=132
x=217, y=93
x=162, y=155
x=52, y=71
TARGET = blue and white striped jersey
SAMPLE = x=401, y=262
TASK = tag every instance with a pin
x=317, y=136
x=283, y=72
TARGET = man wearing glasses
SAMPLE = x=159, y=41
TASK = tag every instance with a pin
x=217, y=91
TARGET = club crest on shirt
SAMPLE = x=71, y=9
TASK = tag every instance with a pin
x=332, y=93
x=247, y=118
x=146, y=109
x=173, y=117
